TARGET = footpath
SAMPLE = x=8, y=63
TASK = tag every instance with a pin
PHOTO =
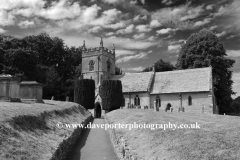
x=94, y=144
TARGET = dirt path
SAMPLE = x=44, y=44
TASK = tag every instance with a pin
x=94, y=144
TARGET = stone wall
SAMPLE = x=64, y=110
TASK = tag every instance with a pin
x=144, y=99
x=198, y=101
x=121, y=147
x=67, y=145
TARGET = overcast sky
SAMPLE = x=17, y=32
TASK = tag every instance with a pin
x=143, y=31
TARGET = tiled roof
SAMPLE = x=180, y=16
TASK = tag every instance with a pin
x=190, y=80
x=31, y=83
x=135, y=82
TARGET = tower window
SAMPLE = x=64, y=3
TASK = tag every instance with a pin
x=158, y=102
x=108, y=65
x=91, y=65
x=137, y=101
x=189, y=100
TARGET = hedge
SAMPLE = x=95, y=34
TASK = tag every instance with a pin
x=111, y=94
x=84, y=93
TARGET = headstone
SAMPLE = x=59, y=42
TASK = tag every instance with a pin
x=31, y=92
x=67, y=99
x=9, y=88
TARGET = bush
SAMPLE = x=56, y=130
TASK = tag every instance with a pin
x=84, y=93
x=111, y=94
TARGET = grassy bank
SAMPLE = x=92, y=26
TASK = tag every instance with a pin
x=29, y=131
x=217, y=138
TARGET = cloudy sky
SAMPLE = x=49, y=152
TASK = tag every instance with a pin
x=143, y=31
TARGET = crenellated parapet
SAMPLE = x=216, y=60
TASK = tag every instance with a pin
x=98, y=51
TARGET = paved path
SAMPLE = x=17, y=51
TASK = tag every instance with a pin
x=94, y=144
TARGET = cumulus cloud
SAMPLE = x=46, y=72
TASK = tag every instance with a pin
x=233, y=53
x=95, y=29
x=143, y=28
x=128, y=29
x=2, y=31
x=201, y=23
x=26, y=24
x=152, y=38
x=174, y=48
x=223, y=33
x=132, y=57
x=140, y=18
x=139, y=36
x=136, y=69
x=155, y=24
x=127, y=43
x=124, y=52
x=213, y=27
x=165, y=31
x=178, y=16
x=61, y=10
x=167, y=2
x=6, y=18
x=109, y=33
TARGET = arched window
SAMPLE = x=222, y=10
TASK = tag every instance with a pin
x=189, y=100
x=158, y=102
x=91, y=65
x=137, y=101
x=108, y=65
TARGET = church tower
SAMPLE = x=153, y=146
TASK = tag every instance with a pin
x=98, y=63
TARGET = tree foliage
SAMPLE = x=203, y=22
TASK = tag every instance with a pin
x=84, y=93
x=44, y=59
x=236, y=105
x=118, y=71
x=111, y=94
x=160, y=66
x=203, y=49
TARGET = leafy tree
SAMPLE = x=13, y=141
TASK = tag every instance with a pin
x=111, y=94
x=204, y=49
x=118, y=71
x=236, y=105
x=160, y=66
x=84, y=93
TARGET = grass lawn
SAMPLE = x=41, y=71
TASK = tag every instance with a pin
x=29, y=131
x=217, y=139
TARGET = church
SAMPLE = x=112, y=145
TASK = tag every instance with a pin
x=189, y=90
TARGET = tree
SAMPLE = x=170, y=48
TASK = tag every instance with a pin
x=111, y=94
x=118, y=71
x=204, y=49
x=236, y=105
x=160, y=66
x=84, y=93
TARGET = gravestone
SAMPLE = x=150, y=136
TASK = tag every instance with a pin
x=9, y=88
x=31, y=92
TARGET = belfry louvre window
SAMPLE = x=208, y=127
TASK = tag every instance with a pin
x=91, y=65
x=189, y=100
x=137, y=101
x=108, y=65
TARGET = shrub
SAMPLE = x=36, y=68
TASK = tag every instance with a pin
x=84, y=93
x=111, y=94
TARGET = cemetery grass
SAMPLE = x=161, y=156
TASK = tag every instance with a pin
x=28, y=131
x=217, y=138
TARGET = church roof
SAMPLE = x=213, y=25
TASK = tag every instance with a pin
x=189, y=80
x=135, y=82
